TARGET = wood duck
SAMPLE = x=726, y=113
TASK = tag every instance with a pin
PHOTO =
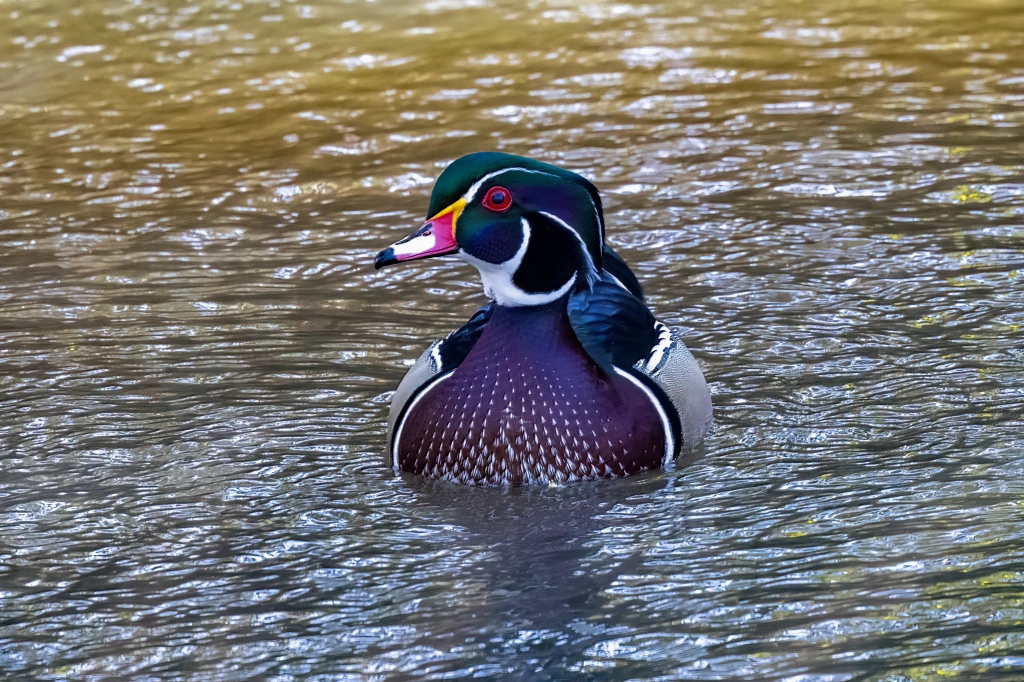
x=565, y=375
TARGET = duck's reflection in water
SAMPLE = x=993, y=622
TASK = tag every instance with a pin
x=533, y=561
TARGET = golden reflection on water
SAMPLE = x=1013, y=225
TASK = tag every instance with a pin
x=198, y=356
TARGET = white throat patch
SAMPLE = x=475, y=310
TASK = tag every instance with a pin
x=497, y=277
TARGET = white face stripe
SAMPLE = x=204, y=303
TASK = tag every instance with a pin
x=515, y=261
x=475, y=187
x=670, y=443
x=497, y=277
x=500, y=288
x=396, y=438
x=592, y=274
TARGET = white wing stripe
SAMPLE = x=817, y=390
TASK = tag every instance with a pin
x=397, y=437
x=663, y=344
x=670, y=445
x=592, y=275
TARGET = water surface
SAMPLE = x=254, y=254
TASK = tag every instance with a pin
x=828, y=197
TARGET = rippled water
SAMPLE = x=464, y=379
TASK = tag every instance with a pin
x=197, y=354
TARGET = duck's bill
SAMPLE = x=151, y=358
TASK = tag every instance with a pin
x=435, y=238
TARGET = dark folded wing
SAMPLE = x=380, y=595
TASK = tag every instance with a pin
x=615, y=266
x=612, y=324
x=454, y=349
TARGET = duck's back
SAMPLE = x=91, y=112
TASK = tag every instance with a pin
x=529, y=405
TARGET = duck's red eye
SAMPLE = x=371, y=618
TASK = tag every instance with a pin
x=498, y=199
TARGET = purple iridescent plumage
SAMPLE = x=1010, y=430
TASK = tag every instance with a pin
x=529, y=405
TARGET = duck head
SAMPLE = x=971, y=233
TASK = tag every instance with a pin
x=533, y=230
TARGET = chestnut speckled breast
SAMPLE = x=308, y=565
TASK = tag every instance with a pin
x=529, y=405
x=565, y=375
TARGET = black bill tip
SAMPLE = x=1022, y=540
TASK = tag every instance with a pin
x=385, y=257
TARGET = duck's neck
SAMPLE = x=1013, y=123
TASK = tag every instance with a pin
x=536, y=331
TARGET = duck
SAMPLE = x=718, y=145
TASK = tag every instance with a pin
x=565, y=374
